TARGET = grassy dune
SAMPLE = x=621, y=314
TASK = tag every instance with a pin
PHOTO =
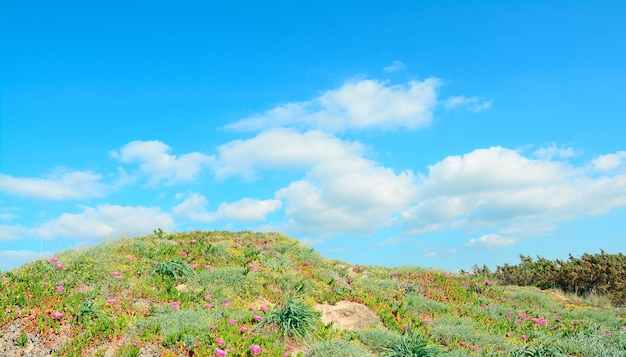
x=253, y=294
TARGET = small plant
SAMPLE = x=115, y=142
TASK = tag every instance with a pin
x=128, y=350
x=411, y=344
x=21, y=340
x=173, y=269
x=294, y=318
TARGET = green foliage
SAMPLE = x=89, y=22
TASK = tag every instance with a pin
x=113, y=292
x=174, y=269
x=412, y=344
x=334, y=348
x=22, y=339
x=294, y=318
x=591, y=274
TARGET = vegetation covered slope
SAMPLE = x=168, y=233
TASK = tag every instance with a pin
x=251, y=294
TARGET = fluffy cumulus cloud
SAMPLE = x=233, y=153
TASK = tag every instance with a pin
x=105, y=221
x=60, y=185
x=156, y=162
x=341, y=190
x=362, y=104
x=282, y=149
x=244, y=210
x=492, y=187
x=610, y=161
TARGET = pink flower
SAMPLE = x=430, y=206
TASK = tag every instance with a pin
x=213, y=327
x=54, y=260
x=111, y=301
x=257, y=318
x=59, y=266
x=209, y=306
x=263, y=308
x=134, y=342
x=193, y=266
x=426, y=321
x=118, y=277
x=220, y=353
x=608, y=335
x=524, y=337
x=252, y=308
x=232, y=321
x=462, y=343
x=197, y=343
x=236, y=245
x=183, y=253
x=244, y=329
x=59, y=288
x=255, y=349
x=489, y=282
x=57, y=315
x=207, y=267
x=290, y=348
x=227, y=303
x=220, y=342
x=307, y=263
x=286, y=355
x=114, y=273
x=129, y=259
x=208, y=296
x=175, y=305
x=474, y=347
x=193, y=241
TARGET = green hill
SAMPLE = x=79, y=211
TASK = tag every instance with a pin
x=264, y=294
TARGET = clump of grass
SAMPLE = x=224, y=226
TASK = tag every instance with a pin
x=412, y=343
x=174, y=269
x=294, y=318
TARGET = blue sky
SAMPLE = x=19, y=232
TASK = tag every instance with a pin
x=440, y=134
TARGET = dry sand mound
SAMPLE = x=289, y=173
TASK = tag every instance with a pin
x=348, y=315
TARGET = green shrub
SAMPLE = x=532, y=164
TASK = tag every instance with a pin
x=411, y=344
x=174, y=269
x=293, y=317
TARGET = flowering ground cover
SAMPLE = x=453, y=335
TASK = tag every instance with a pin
x=208, y=293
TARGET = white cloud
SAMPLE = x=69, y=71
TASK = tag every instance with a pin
x=244, y=210
x=341, y=192
x=156, y=162
x=492, y=241
x=60, y=185
x=473, y=104
x=282, y=149
x=11, y=232
x=10, y=259
x=553, y=151
x=106, y=221
x=497, y=186
x=610, y=161
x=362, y=104
x=395, y=66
